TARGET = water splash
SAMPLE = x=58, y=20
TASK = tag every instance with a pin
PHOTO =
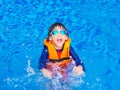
x=36, y=80
x=30, y=70
x=58, y=82
x=27, y=81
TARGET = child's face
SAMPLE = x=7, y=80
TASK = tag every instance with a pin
x=59, y=38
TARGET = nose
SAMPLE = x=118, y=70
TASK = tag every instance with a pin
x=59, y=34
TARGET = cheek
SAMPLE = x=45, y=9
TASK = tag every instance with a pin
x=65, y=37
x=53, y=38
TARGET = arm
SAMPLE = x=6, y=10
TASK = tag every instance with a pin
x=79, y=68
x=42, y=64
x=43, y=58
x=76, y=58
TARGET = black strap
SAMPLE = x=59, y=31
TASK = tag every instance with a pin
x=58, y=60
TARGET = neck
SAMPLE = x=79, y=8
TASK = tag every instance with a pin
x=56, y=47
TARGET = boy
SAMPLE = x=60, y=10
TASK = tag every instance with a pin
x=58, y=54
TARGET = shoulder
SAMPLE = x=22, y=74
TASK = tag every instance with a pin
x=72, y=51
x=45, y=48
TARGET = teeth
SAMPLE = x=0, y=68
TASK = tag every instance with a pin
x=59, y=40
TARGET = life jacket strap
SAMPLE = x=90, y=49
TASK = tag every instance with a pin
x=58, y=60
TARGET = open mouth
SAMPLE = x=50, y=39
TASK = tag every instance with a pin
x=59, y=40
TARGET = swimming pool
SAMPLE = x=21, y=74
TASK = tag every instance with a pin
x=93, y=26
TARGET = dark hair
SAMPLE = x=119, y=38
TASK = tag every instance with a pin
x=53, y=26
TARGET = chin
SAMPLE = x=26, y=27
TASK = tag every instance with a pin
x=60, y=45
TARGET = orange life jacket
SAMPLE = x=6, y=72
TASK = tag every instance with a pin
x=54, y=59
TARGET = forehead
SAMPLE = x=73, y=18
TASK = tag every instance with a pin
x=58, y=27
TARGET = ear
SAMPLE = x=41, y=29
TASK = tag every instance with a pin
x=50, y=38
x=66, y=37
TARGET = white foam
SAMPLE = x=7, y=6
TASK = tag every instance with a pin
x=29, y=69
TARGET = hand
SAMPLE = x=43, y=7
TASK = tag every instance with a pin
x=78, y=70
x=46, y=73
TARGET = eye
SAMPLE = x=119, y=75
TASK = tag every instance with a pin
x=54, y=32
x=63, y=32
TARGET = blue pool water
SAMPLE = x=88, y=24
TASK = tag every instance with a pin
x=93, y=25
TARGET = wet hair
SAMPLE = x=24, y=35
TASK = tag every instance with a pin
x=55, y=25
